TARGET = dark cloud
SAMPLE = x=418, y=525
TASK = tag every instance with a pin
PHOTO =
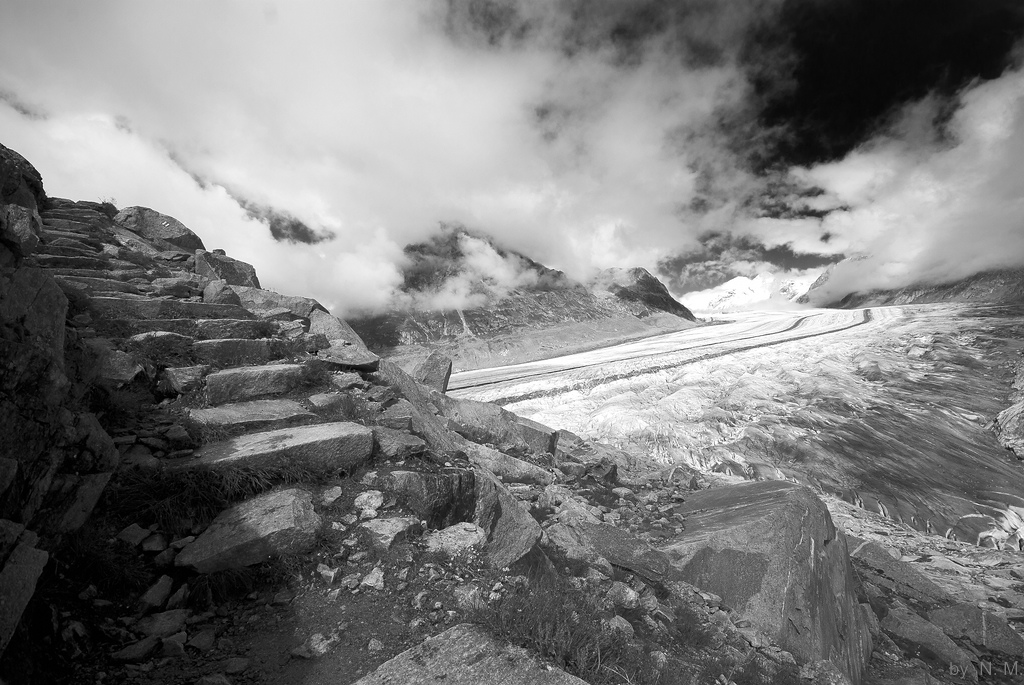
x=283, y=226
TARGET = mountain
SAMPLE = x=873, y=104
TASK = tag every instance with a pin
x=1000, y=286
x=765, y=290
x=478, y=301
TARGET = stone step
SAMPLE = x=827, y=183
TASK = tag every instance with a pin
x=324, y=447
x=77, y=237
x=125, y=308
x=73, y=226
x=95, y=285
x=72, y=213
x=64, y=251
x=59, y=262
x=210, y=329
x=256, y=414
x=115, y=274
x=75, y=243
x=237, y=351
x=249, y=382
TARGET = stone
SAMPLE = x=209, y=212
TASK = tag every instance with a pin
x=213, y=679
x=467, y=655
x=383, y=533
x=154, y=225
x=213, y=329
x=440, y=499
x=511, y=531
x=163, y=624
x=397, y=445
x=770, y=550
x=509, y=469
x=20, y=229
x=173, y=647
x=455, y=540
x=154, y=543
x=235, y=385
x=218, y=292
x=218, y=267
x=982, y=628
x=138, y=651
x=349, y=357
x=601, y=546
x=324, y=447
x=264, y=527
x=156, y=596
x=434, y=372
x=906, y=626
x=204, y=640
x=252, y=414
x=374, y=646
x=134, y=534
x=124, y=308
x=374, y=580
x=20, y=183
x=239, y=351
x=617, y=624
x=316, y=645
x=177, y=287
x=876, y=565
x=334, y=329
x=117, y=367
x=234, y=665
x=623, y=596
x=267, y=302
x=370, y=499
x=482, y=422
x=18, y=580
x=183, y=379
x=443, y=444
x=540, y=438
x=330, y=495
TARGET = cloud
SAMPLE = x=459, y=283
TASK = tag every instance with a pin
x=931, y=200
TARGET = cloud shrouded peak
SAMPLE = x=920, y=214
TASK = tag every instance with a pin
x=586, y=134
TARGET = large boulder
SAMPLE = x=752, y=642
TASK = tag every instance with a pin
x=20, y=183
x=434, y=372
x=260, y=529
x=441, y=498
x=983, y=628
x=22, y=566
x=263, y=302
x=482, y=422
x=906, y=627
x=771, y=551
x=511, y=531
x=509, y=469
x=442, y=442
x=467, y=655
x=156, y=226
x=219, y=267
x=334, y=329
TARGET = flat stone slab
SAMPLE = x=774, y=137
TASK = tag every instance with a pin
x=232, y=328
x=97, y=284
x=510, y=469
x=17, y=584
x=324, y=446
x=233, y=385
x=467, y=655
x=233, y=351
x=383, y=533
x=249, y=414
x=259, y=529
x=116, y=307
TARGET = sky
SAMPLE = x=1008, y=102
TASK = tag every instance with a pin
x=704, y=140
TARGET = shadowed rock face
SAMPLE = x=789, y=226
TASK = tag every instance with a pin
x=771, y=552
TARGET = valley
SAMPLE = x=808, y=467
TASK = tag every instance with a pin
x=888, y=408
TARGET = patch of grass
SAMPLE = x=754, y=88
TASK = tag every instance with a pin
x=177, y=500
x=563, y=624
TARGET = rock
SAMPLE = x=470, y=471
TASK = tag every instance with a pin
x=540, y=438
x=482, y=422
x=235, y=385
x=183, y=379
x=384, y=533
x=434, y=372
x=316, y=645
x=213, y=679
x=623, y=596
x=349, y=357
x=618, y=624
x=163, y=624
x=134, y=534
x=374, y=580
x=139, y=651
x=148, y=309
x=266, y=526
x=218, y=267
x=468, y=597
x=325, y=447
x=771, y=551
x=982, y=628
x=234, y=665
x=374, y=646
x=467, y=655
x=156, y=596
x=330, y=495
x=876, y=565
x=397, y=445
x=218, y=292
x=511, y=531
x=117, y=367
x=238, y=351
x=509, y=469
x=456, y=539
x=203, y=640
x=154, y=543
x=20, y=229
x=267, y=302
x=424, y=424
x=440, y=499
x=334, y=329
x=599, y=544
x=251, y=414
x=154, y=225
x=370, y=499
x=21, y=571
x=173, y=647
x=906, y=626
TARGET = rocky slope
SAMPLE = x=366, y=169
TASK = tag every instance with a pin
x=1003, y=286
x=481, y=304
x=208, y=482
